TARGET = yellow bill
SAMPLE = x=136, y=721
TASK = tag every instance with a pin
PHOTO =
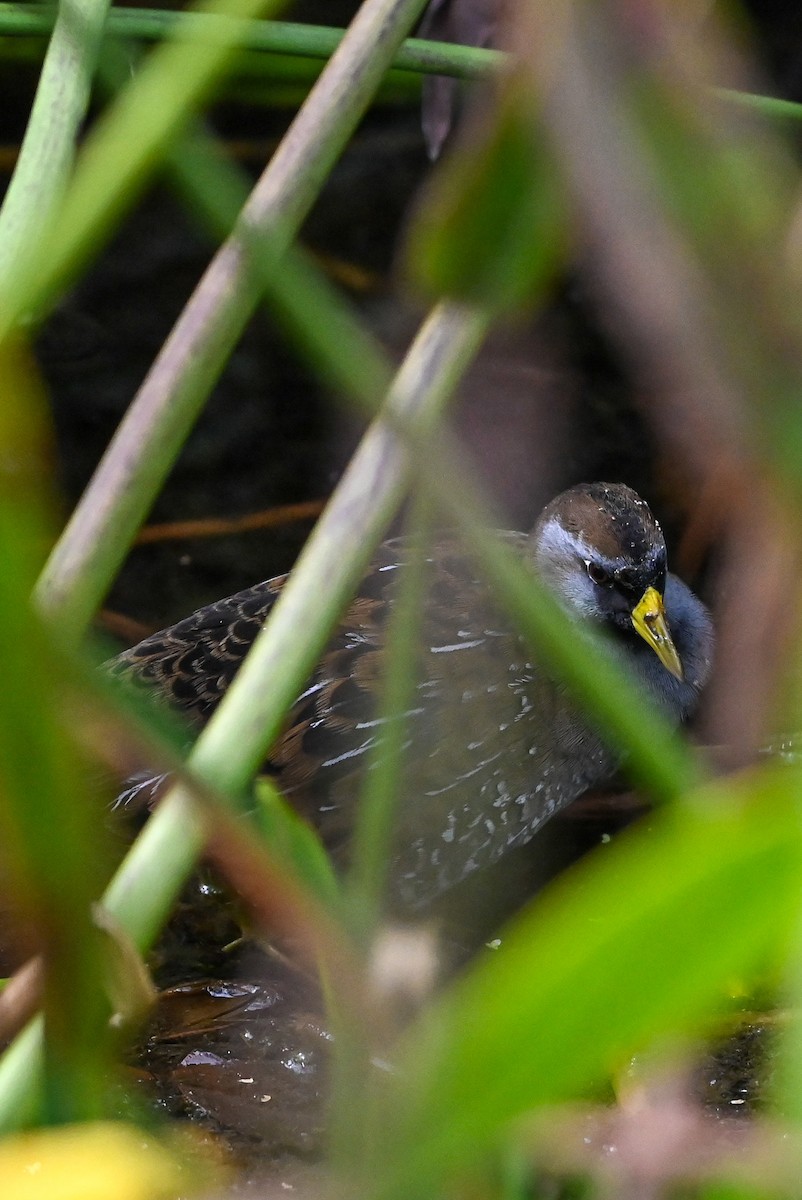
x=649, y=618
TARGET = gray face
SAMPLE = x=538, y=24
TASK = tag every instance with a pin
x=599, y=548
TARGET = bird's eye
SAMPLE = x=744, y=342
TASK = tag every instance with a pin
x=599, y=574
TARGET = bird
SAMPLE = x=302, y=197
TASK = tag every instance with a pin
x=493, y=743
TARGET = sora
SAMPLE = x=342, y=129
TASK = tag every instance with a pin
x=496, y=747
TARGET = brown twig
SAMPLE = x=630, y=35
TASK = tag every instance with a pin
x=121, y=626
x=21, y=998
x=267, y=518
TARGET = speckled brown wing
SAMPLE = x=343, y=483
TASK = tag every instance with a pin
x=492, y=746
x=191, y=664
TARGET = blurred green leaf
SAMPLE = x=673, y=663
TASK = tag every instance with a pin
x=743, y=1189
x=48, y=816
x=492, y=228
x=637, y=941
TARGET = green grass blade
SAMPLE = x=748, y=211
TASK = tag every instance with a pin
x=47, y=816
x=273, y=37
x=48, y=147
x=383, y=786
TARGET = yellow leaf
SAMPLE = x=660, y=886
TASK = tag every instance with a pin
x=89, y=1162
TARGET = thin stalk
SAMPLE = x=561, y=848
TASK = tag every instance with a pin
x=274, y=37
x=346, y=353
x=338, y=551
x=374, y=822
x=769, y=106
x=150, y=878
x=148, y=440
x=320, y=41
x=381, y=791
x=48, y=148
